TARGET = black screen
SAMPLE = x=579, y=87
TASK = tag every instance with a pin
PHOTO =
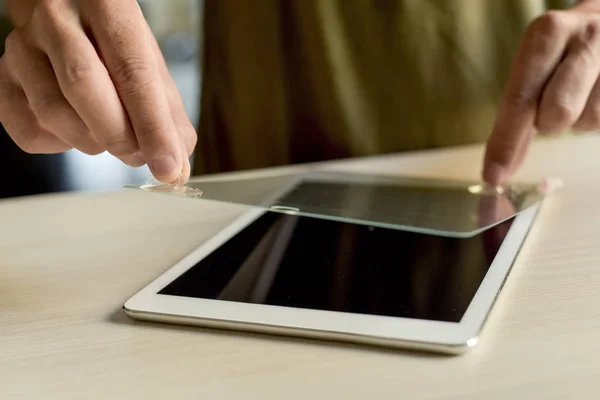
x=304, y=262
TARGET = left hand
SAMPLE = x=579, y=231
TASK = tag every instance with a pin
x=553, y=86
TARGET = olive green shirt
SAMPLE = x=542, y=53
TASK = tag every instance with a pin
x=307, y=80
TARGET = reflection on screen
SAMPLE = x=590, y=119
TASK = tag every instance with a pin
x=304, y=262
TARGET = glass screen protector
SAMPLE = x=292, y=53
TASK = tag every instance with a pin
x=440, y=207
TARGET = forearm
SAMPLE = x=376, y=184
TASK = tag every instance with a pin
x=20, y=11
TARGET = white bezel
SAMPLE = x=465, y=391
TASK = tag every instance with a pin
x=390, y=331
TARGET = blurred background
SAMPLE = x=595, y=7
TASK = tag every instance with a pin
x=177, y=27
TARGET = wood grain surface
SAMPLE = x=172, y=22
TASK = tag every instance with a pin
x=68, y=263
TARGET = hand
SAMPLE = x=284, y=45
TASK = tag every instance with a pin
x=553, y=86
x=89, y=75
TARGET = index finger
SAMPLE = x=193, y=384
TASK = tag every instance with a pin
x=122, y=38
x=539, y=52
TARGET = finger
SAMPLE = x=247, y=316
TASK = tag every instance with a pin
x=540, y=51
x=567, y=92
x=187, y=134
x=590, y=117
x=178, y=113
x=20, y=123
x=187, y=168
x=180, y=117
x=521, y=153
x=83, y=78
x=33, y=73
x=126, y=49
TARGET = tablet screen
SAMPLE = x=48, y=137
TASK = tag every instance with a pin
x=303, y=262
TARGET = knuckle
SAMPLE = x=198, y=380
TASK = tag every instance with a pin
x=48, y=13
x=92, y=149
x=28, y=140
x=29, y=144
x=83, y=141
x=587, y=53
x=589, y=121
x=49, y=109
x=48, y=25
x=132, y=73
x=150, y=132
x=564, y=114
x=592, y=29
x=5, y=92
x=6, y=82
x=76, y=72
x=548, y=25
x=14, y=42
x=587, y=43
x=522, y=97
x=556, y=117
x=119, y=145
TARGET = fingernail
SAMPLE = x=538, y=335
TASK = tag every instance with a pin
x=185, y=173
x=164, y=167
x=494, y=173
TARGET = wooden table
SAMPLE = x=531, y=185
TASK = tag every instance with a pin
x=68, y=263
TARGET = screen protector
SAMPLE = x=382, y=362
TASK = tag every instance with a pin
x=440, y=207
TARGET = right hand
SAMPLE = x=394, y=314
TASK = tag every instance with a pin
x=89, y=75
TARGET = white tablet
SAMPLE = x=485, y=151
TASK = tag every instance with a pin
x=288, y=274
